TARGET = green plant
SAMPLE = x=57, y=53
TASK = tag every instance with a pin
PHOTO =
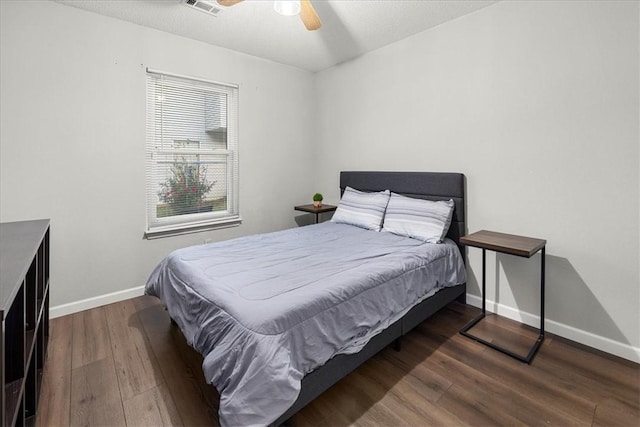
x=317, y=197
x=184, y=190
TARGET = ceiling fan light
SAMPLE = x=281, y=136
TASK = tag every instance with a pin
x=287, y=7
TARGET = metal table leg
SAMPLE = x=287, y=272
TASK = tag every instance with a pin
x=534, y=349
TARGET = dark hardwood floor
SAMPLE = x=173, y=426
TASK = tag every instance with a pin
x=125, y=364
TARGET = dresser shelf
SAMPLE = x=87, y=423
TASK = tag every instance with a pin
x=24, y=313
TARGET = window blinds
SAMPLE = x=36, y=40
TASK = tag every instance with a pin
x=191, y=152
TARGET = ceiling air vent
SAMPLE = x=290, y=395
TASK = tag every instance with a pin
x=207, y=6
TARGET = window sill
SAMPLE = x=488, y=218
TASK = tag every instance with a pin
x=177, y=230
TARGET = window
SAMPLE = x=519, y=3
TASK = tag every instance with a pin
x=192, y=154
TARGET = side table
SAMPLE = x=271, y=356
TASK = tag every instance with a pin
x=315, y=210
x=512, y=245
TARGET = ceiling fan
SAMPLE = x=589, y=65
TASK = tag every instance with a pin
x=303, y=8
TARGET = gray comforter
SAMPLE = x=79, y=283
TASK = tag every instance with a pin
x=265, y=310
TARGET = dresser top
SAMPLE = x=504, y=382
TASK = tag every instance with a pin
x=19, y=242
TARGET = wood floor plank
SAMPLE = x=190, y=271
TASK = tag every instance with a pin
x=424, y=382
x=340, y=407
x=182, y=378
x=516, y=408
x=55, y=397
x=90, y=337
x=141, y=371
x=310, y=416
x=136, y=366
x=403, y=399
x=193, y=363
x=508, y=379
x=476, y=409
x=95, y=396
x=510, y=325
x=391, y=409
x=443, y=331
x=592, y=375
x=452, y=318
x=516, y=339
x=154, y=407
x=363, y=404
x=613, y=412
x=583, y=374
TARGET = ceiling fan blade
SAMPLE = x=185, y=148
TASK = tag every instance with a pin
x=309, y=16
x=228, y=2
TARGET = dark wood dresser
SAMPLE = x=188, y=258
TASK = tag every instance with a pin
x=24, y=312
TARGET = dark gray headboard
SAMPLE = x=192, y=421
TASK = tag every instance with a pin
x=419, y=185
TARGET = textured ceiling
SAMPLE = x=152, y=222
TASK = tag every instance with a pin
x=350, y=27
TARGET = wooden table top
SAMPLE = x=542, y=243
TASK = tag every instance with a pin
x=505, y=243
x=312, y=209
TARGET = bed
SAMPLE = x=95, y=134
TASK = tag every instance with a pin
x=280, y=317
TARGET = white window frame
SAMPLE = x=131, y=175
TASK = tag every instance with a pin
x=159, y=144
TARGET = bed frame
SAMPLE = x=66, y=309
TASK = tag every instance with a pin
x=420, y=185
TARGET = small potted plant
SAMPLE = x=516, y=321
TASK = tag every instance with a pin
x=317, y=200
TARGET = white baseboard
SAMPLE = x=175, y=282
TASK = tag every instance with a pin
x=626, y=351
x=89, y=303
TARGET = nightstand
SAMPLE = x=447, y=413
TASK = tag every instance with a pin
x=314, y=210
x=513, y=245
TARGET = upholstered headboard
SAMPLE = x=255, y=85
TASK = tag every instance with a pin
x=419, y=185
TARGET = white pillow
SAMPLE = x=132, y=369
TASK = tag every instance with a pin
x=420, y=219
x=362, y=209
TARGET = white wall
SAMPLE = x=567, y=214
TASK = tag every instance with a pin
x=537, y=104
x=73, y=136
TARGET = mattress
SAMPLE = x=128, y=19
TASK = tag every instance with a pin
x=265, y=310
